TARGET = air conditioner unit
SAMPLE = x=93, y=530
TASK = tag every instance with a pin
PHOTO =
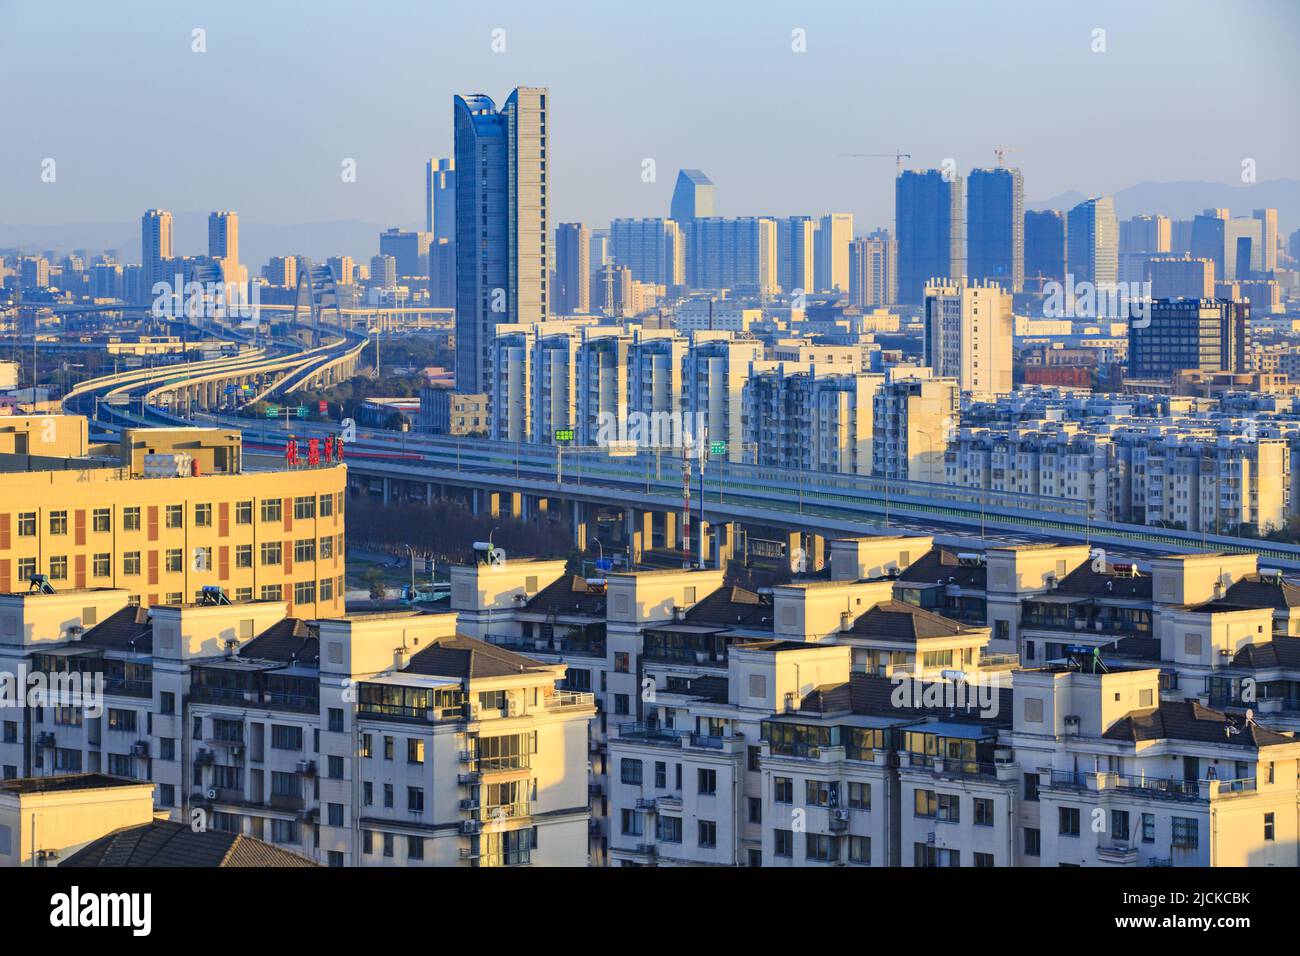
x=469, y=827
x=307, y=768
x=45, y=740
x=236, y=751
x=140, y=748
x=1072, y=722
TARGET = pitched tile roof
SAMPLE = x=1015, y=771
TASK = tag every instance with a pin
x=1189, y=720
x=569, y=594
x=291, y=640
x=733, y=607
x=462, y=657
x=875, y=695
x=128, y=629
x=1254, y=590
x=164, y=843
x=940, y=564
x=905, y=623
x=1086, y=582
x=1278, y=652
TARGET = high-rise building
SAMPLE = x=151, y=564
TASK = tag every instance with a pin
x=915, y=415
x=572, y=269
x=410, y=250
x=440, y=199
x=442, y=274
x=344, y=268
x=1045, y=246
x=383, y=271
x=1180, y=277
x=795, y=253
x=831, y=267
x=692, y=196
x=968, y=335
x=1092, y=242
x=928, y=206
x=281, y=271
x=995, y=227
x=223, y=235
x=155, y=246
x=1268, y=238
x=1140, y=238
x=503, y=259
x=735, y=254
x=873, y=270
x=652, y=248
x=1208, y=335
x=1235, y=244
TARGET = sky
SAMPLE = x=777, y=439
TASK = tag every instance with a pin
x=285, y=91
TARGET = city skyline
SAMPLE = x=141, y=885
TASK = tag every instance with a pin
x=297, y=164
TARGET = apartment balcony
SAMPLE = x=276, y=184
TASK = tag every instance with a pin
x=646, y=733
x=963, y=769
x=1163, y=788
x=569, y=700
x=1118, y=855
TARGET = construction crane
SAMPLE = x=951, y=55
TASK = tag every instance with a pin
x=898, y=156
x=1001, y=151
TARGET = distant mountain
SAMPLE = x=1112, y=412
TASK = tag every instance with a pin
x=257, y=241
x=1183, y=200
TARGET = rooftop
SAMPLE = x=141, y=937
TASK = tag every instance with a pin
x=164, y=843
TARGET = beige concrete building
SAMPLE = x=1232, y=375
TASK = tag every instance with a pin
x=44, y=820
x=170, y=512
x=968, y=335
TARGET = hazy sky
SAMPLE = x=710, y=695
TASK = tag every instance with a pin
x=261, y=122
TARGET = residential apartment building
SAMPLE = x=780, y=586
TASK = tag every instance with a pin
x=968, y=335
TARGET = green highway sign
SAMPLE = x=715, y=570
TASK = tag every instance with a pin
x=717, y=448
x=301, y=411
x=563, y=434
x=272, y=411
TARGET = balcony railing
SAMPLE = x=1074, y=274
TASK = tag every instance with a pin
x=1154, y=786
x=566, y=699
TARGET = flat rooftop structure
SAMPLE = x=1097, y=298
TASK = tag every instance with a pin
x=66, y=782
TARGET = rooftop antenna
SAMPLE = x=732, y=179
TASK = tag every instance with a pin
x=1001, y=151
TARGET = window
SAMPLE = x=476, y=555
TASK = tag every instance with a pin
x=243, y=555
x=101, y=519
x=1069, y=821
x=783, y=843
x=621, y=707
x=414, y=848
x=173, y=560
x=335, y=814
x=131, y=518
x=782, y=790
x=388, y=795
x=327, y=547
x=630, y=822
x=326, y=505
x=1031, y=786
x=58, y=522
x=629, y=771
x=304, y=592
x=707, y=782
x=272, y=592
x=983, y=812
x=131, y=562
x=243, y=512
x=708, y=834
x=284, y=831
x=984, y=859
x=175, y=516
x=102, y=565
x=822, y=793
x=367, y=745
x=1033, y=841
x=123, y=720
x=621, y=663
x=388, y=748
x=304, y=549
x=1186, y=833
x=272, y=553
x=367, y=796
x=1148, y=828
x=859, y=849
x=415, y=750
x=415, y=799
x=925, y=804
x=285, y=737
x=755, y=810
x=304, y=507
x=1269, y=829
x=26, y=568
x=59, y=567
x=668, y=829
x=203, y=559
x=167, y=702
x=203, y=515
x=27, y=524
x=661, y=775
x=335, y=716
x=367, y=842
x=388, y=844
x=821, y=848
x=272, y=509
x=1119, y=829
x=326, y=590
